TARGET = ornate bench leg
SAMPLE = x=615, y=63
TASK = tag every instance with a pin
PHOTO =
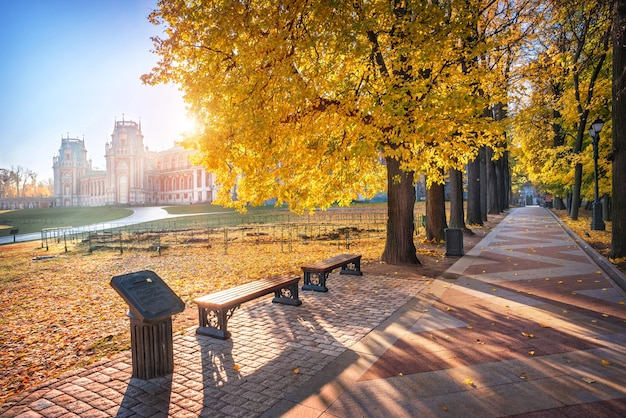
x=288, y=295
x=353, y=268
x=214, y=323
x=315, y=281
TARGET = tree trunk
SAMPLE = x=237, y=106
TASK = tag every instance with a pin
x=399, y=246
x=482, y=158
x=618, y=200
x=499, y=174
x=507, y=191
x=578, y=175
x=435, y=213
x=568, y=204
x=474, y=216
x=493, y=200
x=457, y=213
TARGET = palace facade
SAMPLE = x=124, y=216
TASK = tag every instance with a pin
x=134, y=175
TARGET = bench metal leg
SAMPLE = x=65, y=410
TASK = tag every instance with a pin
x=315, y=281
x=353, y=268
x=214, y=323
x=287, y=295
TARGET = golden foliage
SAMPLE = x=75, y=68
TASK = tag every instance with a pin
x=303, y=108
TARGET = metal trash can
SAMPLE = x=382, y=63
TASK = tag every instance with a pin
x=151, y=304
x=454, y=242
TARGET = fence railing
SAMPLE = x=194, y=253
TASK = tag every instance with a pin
x=341, y=228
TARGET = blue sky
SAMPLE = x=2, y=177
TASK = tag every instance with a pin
x=73, y=67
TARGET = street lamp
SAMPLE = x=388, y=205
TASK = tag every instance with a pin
x=597, y=224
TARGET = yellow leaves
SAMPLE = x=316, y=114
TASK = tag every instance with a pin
x=296, y=370
x=606, y=362
x=528, y=335
x=531, y=352
x=236, y=367
x=469, y=382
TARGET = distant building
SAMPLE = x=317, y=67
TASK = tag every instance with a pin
x=134, y=175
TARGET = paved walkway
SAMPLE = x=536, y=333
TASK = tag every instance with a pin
x=525, y=324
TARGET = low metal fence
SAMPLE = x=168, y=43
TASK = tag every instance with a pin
x=339, y=228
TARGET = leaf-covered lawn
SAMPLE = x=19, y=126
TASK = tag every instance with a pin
x=599, y=240
x=58, y=311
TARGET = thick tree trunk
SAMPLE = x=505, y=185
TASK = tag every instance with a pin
x=493, y=200
x=578, y=176
x=435, y=213
x=618, y=200
x=399, y=246
x=474, y=216
x=457, y=213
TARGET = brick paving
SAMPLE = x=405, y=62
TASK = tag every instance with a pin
x=525, y=324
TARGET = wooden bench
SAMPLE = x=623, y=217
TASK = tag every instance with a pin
x=215, y=309
x=315, y=274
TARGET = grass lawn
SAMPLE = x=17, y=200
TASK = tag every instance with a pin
x=34, y=220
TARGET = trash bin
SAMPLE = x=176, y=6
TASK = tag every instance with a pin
x=151, y=304
x=454, y=242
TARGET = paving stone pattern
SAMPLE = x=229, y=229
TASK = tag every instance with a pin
x=529, y=326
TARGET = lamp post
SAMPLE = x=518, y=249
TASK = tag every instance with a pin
x=597, y=224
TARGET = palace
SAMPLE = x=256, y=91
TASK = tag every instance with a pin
x=134, y=175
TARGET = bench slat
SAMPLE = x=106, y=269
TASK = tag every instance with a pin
x=246, y=292
x=331, y=263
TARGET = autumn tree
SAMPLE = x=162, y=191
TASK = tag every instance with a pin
x=299, y=107
x=4, y=181
x=569, y=87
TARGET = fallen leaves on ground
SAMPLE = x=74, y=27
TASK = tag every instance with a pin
x=599, y=240
x=58, y=313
